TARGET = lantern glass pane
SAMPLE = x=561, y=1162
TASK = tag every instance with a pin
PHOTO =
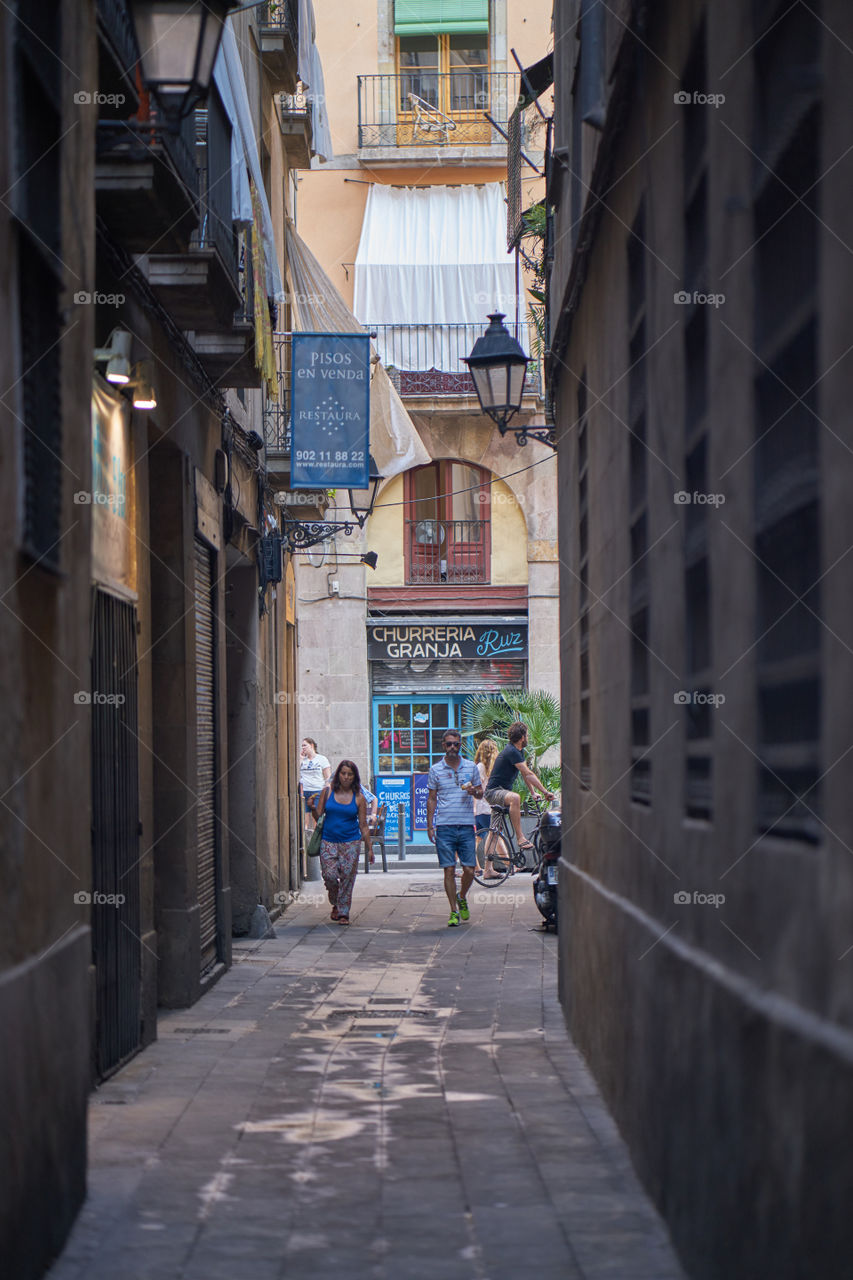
x=359, y=499
x=168, y=38
x=499, y=380
x=209, y=46
x=516, y=389
x=481, y=385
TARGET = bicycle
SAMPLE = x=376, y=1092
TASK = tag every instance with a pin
x=509, y=858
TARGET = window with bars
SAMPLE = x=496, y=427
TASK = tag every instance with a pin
x=638, y=580
x=37, y=135
x=786, y=116
x=698, y=756
x=583, y=586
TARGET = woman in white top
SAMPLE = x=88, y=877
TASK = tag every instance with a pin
x=314, y=773
x=487, y=753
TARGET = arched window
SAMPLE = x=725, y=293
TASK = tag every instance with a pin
x=447, y=524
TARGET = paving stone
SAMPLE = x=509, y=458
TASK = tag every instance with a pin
x=472, y=1145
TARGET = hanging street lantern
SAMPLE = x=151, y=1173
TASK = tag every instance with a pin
x=499, y=367
x=178, y=41
x=361, y=501
x=299, y=535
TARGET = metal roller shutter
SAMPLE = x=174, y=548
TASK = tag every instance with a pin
x=205, y=644
x=450, y=675
x=115, y=832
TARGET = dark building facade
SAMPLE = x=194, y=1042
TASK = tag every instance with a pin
x=701, y=371
x=149, y=762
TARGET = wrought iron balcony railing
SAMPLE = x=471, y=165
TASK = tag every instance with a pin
x=295, y=104
x=114, y=20
x=279, y=15
x=424, y=108
x=446, y=551
x=277, y=412
x=135, y=140
x=427, y=359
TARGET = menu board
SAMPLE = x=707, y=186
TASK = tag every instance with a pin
x=392, y=790
x=419, y=787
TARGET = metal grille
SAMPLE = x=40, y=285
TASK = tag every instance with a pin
x=423, y=107
x=115, y=832
x=447, y=675
x=279, y=15
x=213, y=152
x=205, y=666
x=446, y=551
x=277, y=412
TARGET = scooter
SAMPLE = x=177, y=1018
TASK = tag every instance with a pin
x=545, y=880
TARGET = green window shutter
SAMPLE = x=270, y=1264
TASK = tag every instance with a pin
x=431, y=17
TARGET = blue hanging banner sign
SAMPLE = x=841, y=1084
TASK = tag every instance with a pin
x=330, y=411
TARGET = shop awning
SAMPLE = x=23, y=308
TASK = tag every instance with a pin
x=318, y=307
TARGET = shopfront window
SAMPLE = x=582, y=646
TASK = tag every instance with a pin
x=408, y=734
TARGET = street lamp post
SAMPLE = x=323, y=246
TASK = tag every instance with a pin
x=499, y=367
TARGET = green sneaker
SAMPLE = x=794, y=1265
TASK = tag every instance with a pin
x=464, y=913
x=454, y=919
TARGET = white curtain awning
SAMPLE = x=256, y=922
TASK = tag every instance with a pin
x=231, y=84
x=429, y=259
x=318, y=307
x=310, y=71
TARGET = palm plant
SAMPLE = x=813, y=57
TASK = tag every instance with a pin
x=489, y=715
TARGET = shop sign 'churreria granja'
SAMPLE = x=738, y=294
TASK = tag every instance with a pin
x=454, y=640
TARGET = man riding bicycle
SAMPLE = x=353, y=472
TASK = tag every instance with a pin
x=499, y=793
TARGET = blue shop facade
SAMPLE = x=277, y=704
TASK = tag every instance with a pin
x=422, y=672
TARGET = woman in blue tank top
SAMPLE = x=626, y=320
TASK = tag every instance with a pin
x=344, y=828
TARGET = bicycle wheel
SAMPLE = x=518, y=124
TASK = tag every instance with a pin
x=494, y=871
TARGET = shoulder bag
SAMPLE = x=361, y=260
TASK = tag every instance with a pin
x=313, y=849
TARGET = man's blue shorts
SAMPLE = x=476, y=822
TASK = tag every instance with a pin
x=452, y=839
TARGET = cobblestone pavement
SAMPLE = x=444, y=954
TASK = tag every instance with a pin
x=392, y=1100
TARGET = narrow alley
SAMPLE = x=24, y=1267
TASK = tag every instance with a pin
x=393, y=1100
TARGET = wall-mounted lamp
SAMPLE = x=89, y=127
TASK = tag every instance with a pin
x=299, y=535
x=178, y=41
x=144, y=395
x=117, y=355
x=499, y=367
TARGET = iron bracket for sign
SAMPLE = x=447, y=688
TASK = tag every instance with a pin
x=299, y=535
x=547, y=435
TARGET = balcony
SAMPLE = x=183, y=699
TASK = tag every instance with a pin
x=117, y=54
x=146, y=183
x=278, y=32
x=451, y=552
x=426, y=360
x=421, y=111
x=228, y=351
x=201, y=289
x=294, y=121
x=277, y=415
